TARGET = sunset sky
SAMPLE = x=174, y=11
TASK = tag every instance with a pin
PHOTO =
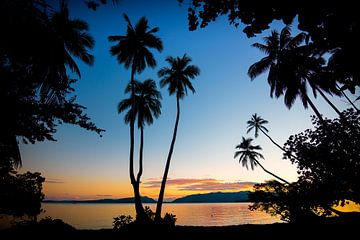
x=81, y=165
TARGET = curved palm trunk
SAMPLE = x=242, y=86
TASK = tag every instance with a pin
x=317, y=113
x=167, y=166
x=140, y=213
x=328, y=101
x=272, y=140
x=277, y=144
x=347, y=98
x=281, y=179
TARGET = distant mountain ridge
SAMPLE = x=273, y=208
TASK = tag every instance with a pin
x=215, y=197
x=120, y=200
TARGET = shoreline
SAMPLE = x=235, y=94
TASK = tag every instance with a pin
x=253, y=231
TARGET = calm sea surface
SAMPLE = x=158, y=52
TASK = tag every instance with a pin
x=95, y=216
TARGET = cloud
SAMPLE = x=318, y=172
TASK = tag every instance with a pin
x=104, y=195
x=53, y=180
x=194, y=184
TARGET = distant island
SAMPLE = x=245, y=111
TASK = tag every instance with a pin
x=214, y=197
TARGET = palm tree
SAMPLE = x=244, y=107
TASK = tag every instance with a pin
x=147, y=107
x=133, y=50
x=257, y=123
x=45, y=60
x=291, y=67
x=248, y=154
x=177, y=78
x=68, y=38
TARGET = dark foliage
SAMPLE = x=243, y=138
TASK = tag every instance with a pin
x=333, y=28
x=329, y=156
x=94, y=4
x=20, y=194
x=37, y=47
x=328, y=161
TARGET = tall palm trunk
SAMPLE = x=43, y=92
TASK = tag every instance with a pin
x=141, y=154
x=140, y=213
x=281, y=179
x=328, y=101
x=317, y=113
x=167, y=166
x=347, y=98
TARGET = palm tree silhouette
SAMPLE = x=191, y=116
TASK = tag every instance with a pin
x=291, y=67
x=68, y=38
x=147, y=107
x=177, y=78
x=248, y=154
x=257, y=123
x=133, y=50
x=45, y=60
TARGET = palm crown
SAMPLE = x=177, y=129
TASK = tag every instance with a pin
x=68, y=38
x=132, y=50
x=256, y=123
x=290, y=66
x=248, y=153
x=147, y=103
x=177, y=76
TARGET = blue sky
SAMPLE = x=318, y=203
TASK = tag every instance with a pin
x=82, y=165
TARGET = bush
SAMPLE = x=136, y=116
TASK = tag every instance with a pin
x=169, y=219
x=122, y=221
x=149, y=213
x=20, y=194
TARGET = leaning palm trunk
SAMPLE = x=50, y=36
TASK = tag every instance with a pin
x=328, y=101
x=272, y=140
x=167, y=166
x=281, y=179
x=276, y=144
x=347, y=98
x=317, y=113
x=140, y=213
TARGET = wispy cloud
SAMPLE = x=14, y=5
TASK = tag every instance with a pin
x=104, y=195
x=194, y=184
x=53, y=180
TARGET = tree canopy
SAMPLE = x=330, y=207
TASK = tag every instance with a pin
x=20, y=194
x=332, y=28
x=37, y=51
x=328, y=161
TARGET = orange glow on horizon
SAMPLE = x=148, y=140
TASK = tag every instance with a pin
x=175, y=188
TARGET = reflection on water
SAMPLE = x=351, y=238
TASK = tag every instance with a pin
x=97, y=216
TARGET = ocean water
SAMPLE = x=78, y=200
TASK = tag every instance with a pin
x=97, y=216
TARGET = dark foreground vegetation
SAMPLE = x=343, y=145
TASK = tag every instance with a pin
x=56, y=229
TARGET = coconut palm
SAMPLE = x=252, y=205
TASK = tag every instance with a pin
x=133, y=50
x=177, y=78
x=257, y=123
x=249, y=155
x=291, y=67
x=53, y=41
x=147, y=107
x=67, y=39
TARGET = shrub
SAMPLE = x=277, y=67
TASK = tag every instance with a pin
x=122, y=221
x=169, y=219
